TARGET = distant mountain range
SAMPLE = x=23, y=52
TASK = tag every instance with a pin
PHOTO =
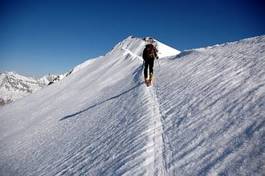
x=14, y=86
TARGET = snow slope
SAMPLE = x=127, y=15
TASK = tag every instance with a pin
x=204, y=116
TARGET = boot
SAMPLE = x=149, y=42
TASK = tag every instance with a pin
x=146, y=80
x=151, y=77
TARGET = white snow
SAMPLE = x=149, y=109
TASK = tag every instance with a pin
x=14, y=86
x=167, y=51
x=45, y=80
x=84, y=64
x=205, y=115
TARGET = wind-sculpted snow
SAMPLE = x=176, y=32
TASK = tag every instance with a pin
x=204, y=116
x=213, y=104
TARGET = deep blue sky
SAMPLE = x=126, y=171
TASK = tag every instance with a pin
x=52, y=36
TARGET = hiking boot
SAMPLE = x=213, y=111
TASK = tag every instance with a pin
x=150, y=77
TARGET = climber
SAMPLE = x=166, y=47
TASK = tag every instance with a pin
x=149, y=55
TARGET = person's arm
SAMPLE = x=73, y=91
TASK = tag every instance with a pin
x=156, y=51
x=144, y=54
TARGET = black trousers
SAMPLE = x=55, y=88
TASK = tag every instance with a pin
x=148, y=64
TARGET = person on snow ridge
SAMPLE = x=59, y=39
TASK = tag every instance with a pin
x=149, y=55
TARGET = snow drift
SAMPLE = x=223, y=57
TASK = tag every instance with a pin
x=204, y=116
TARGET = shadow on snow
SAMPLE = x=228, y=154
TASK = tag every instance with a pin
x=97, y=104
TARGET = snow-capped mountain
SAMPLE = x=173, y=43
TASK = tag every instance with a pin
x=14, y=86
x=203, y=116
x=47, y=79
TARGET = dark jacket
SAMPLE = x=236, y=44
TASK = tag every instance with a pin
x=150, y=52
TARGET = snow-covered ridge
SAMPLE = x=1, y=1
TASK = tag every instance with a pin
x=84, y=64
x=135, y=46
x=204, y=116
x=251, y=40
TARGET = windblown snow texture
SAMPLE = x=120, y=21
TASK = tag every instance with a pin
x=205, y=115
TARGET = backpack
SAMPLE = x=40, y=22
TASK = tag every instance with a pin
x=150, y=52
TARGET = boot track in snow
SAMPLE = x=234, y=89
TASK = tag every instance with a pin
x=156, y=137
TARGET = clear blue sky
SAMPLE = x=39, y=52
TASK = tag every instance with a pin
x=52, y=36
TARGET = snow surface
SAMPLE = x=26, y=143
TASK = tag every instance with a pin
x=45, y=80
x=84, y=64
x=205, y=115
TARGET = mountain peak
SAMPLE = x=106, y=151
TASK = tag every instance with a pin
x=135, y=46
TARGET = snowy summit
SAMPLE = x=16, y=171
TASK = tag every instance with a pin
x=205, y=115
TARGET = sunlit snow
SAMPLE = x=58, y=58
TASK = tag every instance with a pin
x=205, y=115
